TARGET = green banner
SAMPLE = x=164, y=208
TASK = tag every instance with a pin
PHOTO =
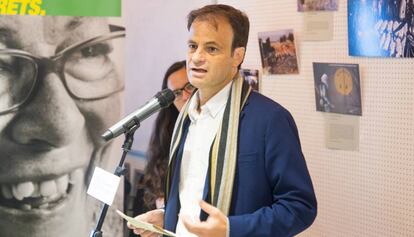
x=61, y=7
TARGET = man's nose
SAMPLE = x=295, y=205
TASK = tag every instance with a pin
x=50, y=119
x=198, y=56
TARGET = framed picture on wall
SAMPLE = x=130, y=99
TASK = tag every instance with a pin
x=278, y=52
x=381, y=28
x=317, y=5
x=337, y=88
x=252, y=77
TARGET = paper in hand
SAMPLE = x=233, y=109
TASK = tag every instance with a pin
x=144, y=225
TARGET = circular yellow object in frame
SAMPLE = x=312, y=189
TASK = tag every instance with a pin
x=343, y=81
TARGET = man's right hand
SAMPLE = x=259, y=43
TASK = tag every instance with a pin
x=155, y=217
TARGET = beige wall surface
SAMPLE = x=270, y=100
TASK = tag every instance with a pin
x=369, y=192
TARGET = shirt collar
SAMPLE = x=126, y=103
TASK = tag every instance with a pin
x=212, y=107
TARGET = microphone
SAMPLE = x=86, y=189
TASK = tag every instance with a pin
x=161, y=100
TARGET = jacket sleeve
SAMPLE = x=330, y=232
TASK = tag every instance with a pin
x=294, y=203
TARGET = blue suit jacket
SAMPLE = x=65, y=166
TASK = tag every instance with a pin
x=273, y=193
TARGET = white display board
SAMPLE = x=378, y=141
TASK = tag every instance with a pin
x=369, y=192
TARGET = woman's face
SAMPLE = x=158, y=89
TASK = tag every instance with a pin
x=177, y=81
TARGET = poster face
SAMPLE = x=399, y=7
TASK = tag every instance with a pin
x=381, y=28
x=252, y=77
x=61, y=83
x=278, y=52
x=317, y=5
x=337, y=88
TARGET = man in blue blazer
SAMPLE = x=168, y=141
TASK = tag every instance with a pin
x=236, y=166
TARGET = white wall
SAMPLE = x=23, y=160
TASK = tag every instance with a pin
x=369, y=192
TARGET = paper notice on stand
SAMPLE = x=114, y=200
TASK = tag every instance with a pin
x=103, y=185
x=144, y=225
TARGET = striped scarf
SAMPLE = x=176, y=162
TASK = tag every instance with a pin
x=223, y=152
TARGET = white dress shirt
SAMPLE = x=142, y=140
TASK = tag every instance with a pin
x=201, y=132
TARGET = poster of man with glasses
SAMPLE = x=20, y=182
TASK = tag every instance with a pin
x=61, y=86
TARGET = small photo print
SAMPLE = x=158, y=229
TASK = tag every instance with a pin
x=337, y=88
x=252, y=77
x=378, y=28
x=317, y=5
x=278, y=52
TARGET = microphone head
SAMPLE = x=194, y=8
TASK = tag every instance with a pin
x=165, y=97
x=108, y=135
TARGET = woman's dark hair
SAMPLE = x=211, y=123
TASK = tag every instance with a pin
x=159, y=145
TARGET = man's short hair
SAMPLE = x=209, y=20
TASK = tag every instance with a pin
x=237, y=19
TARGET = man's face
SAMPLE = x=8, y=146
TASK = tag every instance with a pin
x=211, y=64
x=49, y=145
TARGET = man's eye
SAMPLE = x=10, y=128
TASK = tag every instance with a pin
x=192, y=46
x=96, y=50
x=5, y=68
x=212, y=49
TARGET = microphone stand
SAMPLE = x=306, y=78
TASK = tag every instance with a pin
x=120, y=170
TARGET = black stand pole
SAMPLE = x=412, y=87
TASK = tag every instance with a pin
x=120, y=170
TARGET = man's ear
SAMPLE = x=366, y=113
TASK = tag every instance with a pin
x=238, y=56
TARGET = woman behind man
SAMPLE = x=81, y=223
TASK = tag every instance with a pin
x=150, y=194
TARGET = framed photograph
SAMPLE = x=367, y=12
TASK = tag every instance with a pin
x=337, y=88
x=379, y=28
x=252, y=77
x=317, y=5
x=278, y=52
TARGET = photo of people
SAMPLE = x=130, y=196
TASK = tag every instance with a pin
x=61, y=87
x=317, y=5
x=337, y=88
x=278, y=52
x=381, y=28
x=252, y=77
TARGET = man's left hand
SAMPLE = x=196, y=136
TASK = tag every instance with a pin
x=215, y=225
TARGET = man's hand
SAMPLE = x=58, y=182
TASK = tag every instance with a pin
x=215, y=225
x=155, y=217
